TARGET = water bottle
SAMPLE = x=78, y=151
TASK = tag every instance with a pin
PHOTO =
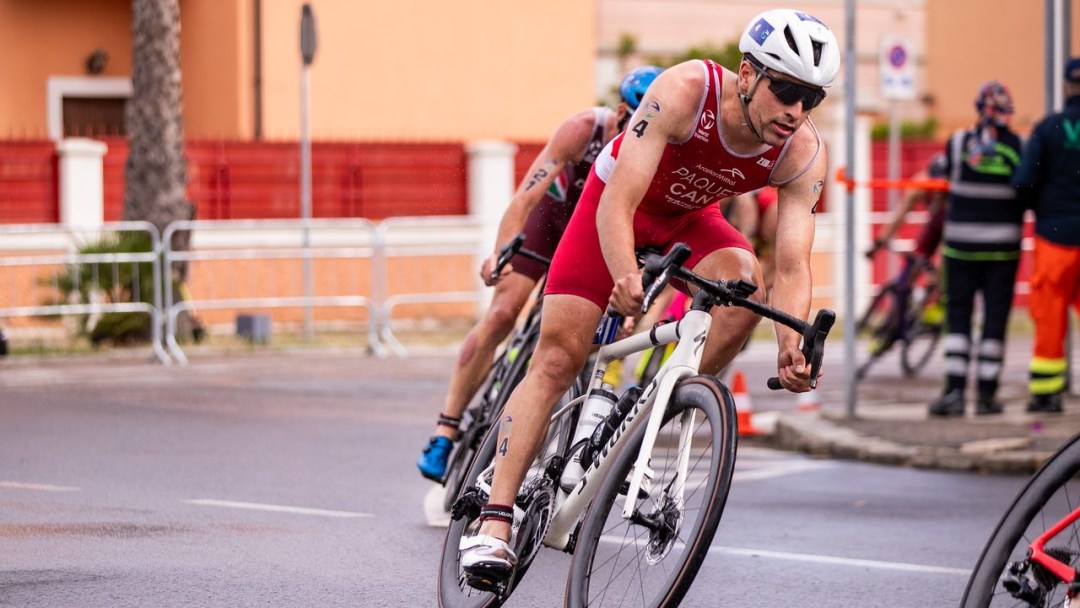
x=596, y=408
x=606, y=431
x=539, y=466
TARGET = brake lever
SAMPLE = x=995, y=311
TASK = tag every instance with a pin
x=823, y=323
x=505, y=253
x=813, y=346
x=657, y=272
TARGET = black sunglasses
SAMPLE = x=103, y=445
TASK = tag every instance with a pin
x=789, y=92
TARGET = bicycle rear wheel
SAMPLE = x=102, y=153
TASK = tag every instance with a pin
x=651, y=559
x=1051, y=494
x=919, y=346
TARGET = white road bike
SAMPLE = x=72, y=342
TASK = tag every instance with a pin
x=667, y=455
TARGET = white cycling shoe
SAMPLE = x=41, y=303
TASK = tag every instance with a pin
x=487, y=562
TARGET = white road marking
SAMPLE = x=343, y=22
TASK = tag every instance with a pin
x=433, y=507
x=254, y=506
x=812, y=558
x=762, y=470
x=42, y=487
x=842, y=561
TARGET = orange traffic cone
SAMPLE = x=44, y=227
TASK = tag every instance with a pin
x=809, y=401
x=744, y=409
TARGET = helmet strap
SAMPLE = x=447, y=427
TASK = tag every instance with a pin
x=744, y=101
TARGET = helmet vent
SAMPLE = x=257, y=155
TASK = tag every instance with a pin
x=817, y=46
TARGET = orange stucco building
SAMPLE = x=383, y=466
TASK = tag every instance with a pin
x=435, y=71
x=407, y=70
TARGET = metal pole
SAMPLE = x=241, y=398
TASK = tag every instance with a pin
x=305, y=199
x=894, y=169
x=307, y=53
x=849, y=209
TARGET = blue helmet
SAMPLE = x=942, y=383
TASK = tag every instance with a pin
x=633, y=86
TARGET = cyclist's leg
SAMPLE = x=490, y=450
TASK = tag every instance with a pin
x=477, y=352
x=543, y=230
x=566, y=331
x=480, y=343
x=577, y=290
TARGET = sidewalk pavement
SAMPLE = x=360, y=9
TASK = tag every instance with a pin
x=890, y=424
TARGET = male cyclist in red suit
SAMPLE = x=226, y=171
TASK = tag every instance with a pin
x=701, y=134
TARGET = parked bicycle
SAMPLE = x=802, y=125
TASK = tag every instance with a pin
x=907, y=310
x=506, y=372
x=1032, y=556
x=668, y=450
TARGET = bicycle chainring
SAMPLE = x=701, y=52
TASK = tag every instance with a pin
x=538, y=505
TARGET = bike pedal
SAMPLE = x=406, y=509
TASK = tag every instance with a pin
x=489, y=580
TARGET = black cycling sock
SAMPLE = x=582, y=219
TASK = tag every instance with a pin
x=449, y=421
x=503, y=513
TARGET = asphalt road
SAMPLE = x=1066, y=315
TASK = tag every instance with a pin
x=287, y=479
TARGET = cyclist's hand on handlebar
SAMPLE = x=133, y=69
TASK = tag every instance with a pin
x=628, y=295
x=793, y=370
x=489, y=266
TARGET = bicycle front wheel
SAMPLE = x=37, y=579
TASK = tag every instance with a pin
x=1051, y=494
x=652, y=558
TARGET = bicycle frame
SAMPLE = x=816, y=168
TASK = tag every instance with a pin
x=690, y=333
x=1059, y=569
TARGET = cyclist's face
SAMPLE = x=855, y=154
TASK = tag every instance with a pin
x=776, y=116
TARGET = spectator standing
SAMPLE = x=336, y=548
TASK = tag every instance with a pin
x=983, y=230
x=1049, y=181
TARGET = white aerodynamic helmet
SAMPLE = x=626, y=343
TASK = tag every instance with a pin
x=795, y=43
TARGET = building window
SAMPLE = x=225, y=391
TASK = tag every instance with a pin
x=86, y=106
x=93, y=116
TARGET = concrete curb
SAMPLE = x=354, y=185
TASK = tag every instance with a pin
x=817, y=436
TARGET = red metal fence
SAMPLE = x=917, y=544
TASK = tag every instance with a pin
x=28, y=182
x=251, y=180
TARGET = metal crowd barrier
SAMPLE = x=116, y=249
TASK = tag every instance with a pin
x=424, y=238
x=44, y=255
x=367, y=251
x=294, y=243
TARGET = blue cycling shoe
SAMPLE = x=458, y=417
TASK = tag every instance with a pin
x=432, y=461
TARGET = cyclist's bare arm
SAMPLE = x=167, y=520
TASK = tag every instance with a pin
x=792, y=285
x=567, y=144
x=906, y=205
x=666, y=114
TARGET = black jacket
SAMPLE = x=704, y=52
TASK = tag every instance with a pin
x=1048, y=179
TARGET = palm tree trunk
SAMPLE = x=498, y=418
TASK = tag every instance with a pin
x=156, y=170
